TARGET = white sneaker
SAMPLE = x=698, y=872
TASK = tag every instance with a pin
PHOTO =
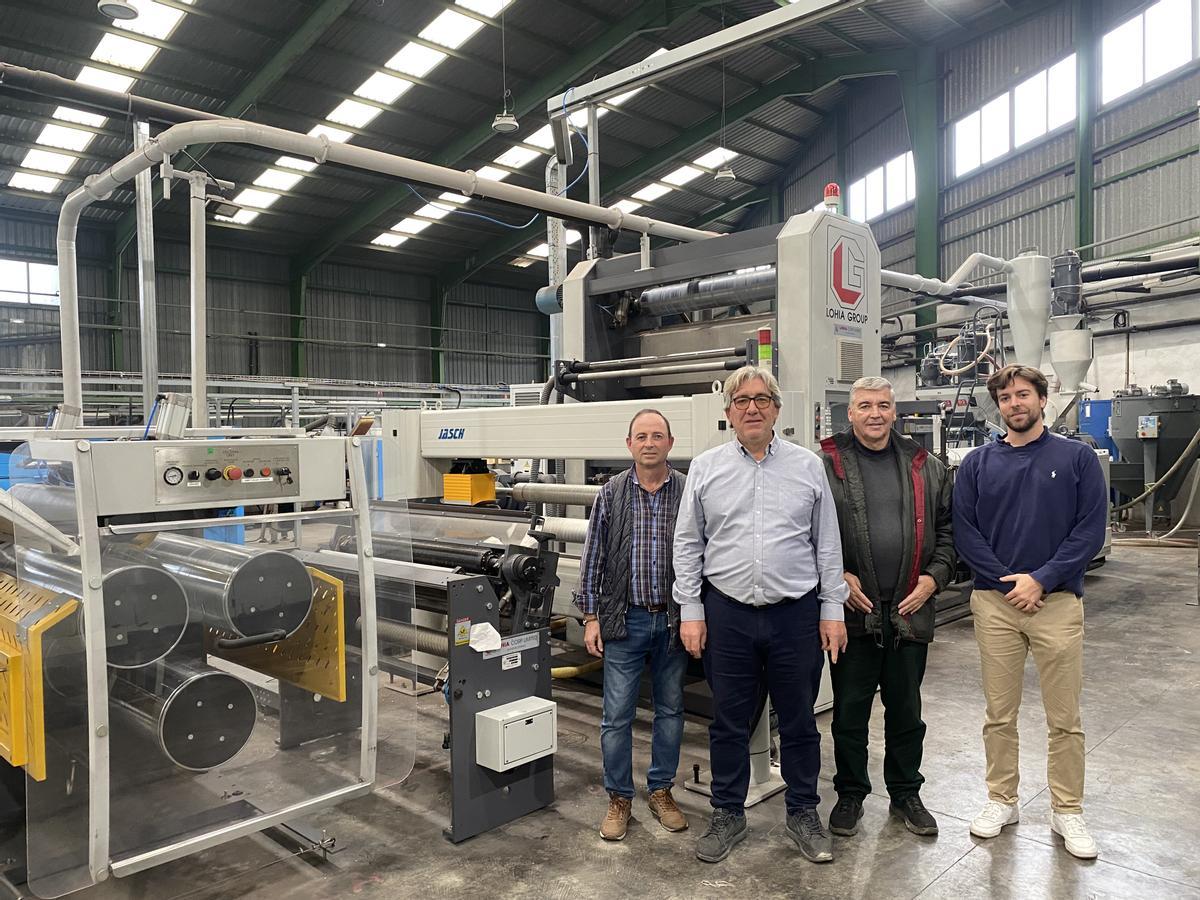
x=993, y=817
x=1074, y=832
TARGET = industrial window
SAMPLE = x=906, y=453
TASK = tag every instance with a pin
x=1035, y=107
x=25, y=283
x=1146, y=47
x=882, y=190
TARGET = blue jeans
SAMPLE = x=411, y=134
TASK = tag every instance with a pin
x=649, y=637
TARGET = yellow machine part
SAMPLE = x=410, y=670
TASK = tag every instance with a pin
x=469, y=490
x=26, y=615
x=314, y=658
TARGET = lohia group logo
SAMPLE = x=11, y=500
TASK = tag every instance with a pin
x=847, y=278
x=452, y=434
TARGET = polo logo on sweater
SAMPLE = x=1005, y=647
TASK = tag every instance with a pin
x=1053, y=473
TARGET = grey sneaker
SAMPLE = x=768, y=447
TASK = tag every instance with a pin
x=805, y=828
x=725, y=829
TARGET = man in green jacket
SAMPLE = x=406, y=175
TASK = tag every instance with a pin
x=895, y=516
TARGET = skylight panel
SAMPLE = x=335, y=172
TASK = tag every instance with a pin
x=353, y=113
x=383, y=88
x=543, y=137
x=252, y=197
x=117, y=50
x=334, y=134
x=516, y=157
x=541, y=250
x=433, y=211
x=78, y=116
x=411, y=226
x=389, y=239
x=451, y=29
x=26, y=181
x=714, y=159
x=292, y=162
x=109, y=81
x=627, y=206
x=522, y=262
x=48, y=161
x=64, y=138
x=154, y=19
x=280, y=181
x=241, y=217
x=451, y=197
x=491, y=173
x=415, y=59
x=682, y=175
x=651, y=192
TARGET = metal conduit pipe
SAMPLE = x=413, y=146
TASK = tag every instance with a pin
x=230, y=131
x=687, y=368
x=569, y=494
x=706, y=293
x=605, y=365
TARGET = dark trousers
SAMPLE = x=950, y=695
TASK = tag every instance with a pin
x=749, y=649
x=896, y=670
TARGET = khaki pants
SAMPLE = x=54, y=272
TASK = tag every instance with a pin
x=1055, y=635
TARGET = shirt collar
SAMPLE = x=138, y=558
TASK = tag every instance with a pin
x=633, y=475
x=771, y=447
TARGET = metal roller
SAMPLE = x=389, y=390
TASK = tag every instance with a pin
x=199, y=716
x=231, y=588
x=707, y=293
x=145, y=608
x=573, y=531
x=570, y=494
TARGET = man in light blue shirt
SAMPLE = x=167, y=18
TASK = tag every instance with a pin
x=760, y=588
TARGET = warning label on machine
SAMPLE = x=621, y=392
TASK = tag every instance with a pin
x=462, y=632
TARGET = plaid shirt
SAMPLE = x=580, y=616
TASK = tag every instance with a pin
x=648, y=554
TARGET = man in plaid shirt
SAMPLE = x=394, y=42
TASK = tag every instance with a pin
x=625, y=581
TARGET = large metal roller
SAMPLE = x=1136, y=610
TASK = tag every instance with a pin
x=145, y=608
x=708, y=293
x=246, y=592
x=571, y=494
x=199, y=716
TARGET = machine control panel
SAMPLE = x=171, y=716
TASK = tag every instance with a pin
x=1147, y=427
x=206, y=472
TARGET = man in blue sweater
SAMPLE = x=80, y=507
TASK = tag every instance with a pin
x=1029, y=515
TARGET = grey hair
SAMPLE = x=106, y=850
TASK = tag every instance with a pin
x=872, y=383
x=749, y=373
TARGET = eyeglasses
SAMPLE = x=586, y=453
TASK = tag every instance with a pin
x=762, y=401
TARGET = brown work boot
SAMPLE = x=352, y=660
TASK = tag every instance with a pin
x=662, y=805
x=616, y=820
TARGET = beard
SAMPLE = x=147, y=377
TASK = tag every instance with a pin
x=1032, y=418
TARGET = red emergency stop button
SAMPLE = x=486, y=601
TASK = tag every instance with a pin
x=265, y=472
x=232, y=473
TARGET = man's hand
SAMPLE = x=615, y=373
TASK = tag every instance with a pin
x=591, y=637
x=857, y=599
x=833, y=638
x=1027, y=594
x=915, y=600
x=693, y=635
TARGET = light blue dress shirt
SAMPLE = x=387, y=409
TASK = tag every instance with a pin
x=758, y=530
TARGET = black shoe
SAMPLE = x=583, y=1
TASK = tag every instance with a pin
x=916, y=817
x=844, y=818
x=725, y=829
x=805, y=828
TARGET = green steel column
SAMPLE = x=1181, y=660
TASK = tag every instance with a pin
x=1084, y=18
x=921, y=88
x=437, y=351
x=297, y=289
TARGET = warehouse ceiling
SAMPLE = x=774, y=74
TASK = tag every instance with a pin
x=423, y=78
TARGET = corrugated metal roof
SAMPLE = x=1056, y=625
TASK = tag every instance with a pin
x=221, y=45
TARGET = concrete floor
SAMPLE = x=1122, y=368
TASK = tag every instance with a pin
x=1141, y=716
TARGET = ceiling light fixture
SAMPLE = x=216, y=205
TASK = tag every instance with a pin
x=505, y=122
x=117, y=9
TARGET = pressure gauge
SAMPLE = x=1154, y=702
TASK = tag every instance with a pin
x=173, y=476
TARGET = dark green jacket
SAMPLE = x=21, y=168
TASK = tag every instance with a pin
x=926, y=518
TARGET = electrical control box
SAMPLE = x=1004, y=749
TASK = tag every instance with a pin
x=1147, y=427
x=516, y=733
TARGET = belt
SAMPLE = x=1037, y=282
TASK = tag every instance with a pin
x=708, y=586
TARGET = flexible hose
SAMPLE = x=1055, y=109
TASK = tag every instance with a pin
x=969, y=366
x=1187, y=510
x=1184, y=457
x=564, y=672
